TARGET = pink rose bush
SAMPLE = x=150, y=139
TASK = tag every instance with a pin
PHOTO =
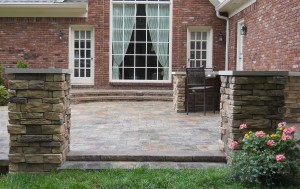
x=266, y=157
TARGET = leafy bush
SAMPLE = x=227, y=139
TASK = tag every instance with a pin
x=3, y=96
x=266, y=158
x=22, y=64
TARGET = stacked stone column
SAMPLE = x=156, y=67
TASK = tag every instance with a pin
x=256, y=99
x=292, y=98
x=39, y=119
x=179, y=93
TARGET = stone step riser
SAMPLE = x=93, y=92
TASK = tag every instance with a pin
x=113, y=98
x=120, y=94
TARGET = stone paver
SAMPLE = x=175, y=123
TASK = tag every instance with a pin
x=141, y=128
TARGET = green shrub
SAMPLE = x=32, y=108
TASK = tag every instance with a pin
x=3, y=96
x=22, y=64
x=266, y=158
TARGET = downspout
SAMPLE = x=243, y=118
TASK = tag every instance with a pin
x=227, y=36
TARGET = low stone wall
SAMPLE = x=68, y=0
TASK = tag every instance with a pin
x=179, y=93
x=256, y=99
x=39, y=119
x=292, y=99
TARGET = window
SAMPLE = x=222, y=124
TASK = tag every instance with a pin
x=140, y=40
x=199, y=48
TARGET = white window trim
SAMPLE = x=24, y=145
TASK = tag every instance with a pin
x=170, y=41
x=71, y=50
x=209, y=31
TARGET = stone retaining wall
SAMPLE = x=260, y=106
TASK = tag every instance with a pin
x=257, y=101
x=39, y=119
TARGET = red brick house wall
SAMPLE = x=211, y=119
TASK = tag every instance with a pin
x=273, y=38
x=36, y=40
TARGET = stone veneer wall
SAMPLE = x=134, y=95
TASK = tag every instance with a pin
x=292, y=99
x=179, y=93
x=256, y=100
x=39, y=119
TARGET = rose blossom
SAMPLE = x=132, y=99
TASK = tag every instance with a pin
x=280, y=158
x=270, y=143
x=286, y=136
x=260, y=134
x=282, y=124
x=234, y=144
x=243, y=126
x=289, y=130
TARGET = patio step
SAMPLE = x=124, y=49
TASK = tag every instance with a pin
x=82, y=96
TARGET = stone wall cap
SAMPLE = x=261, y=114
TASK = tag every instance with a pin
x=178, y=73
x=38, y=70
x=294, y=74
x=254, y=73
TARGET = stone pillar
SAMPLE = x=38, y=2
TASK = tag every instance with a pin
x=292, y=98
x=39, y=119
x=254, y=98
x=179, y=92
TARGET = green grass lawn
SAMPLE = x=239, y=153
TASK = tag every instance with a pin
x=120, y=178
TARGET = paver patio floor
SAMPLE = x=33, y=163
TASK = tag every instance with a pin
x=138, y=127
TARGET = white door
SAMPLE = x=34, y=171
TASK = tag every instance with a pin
x=82, y=56
x=199, y=48
x=240, y=46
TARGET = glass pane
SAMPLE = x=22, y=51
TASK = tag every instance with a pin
x=203, y=54
x=203, y=45
x=82, y=34
x=164, y=10
x=88, y=34
x=117, y=48
x=128, y=73
x=76, y=34
x=192, y=35
x=141, y=10
x=204, y=64
x=129, y=9
x=140, y=61
x=198, y=45
x=82, y=54
x=161, y=74
x=82, y=44
x=76, y=63
x=192, y=55
x=164, y=35
x=76, y=44
x=141, y=23
x=82, y=63
x=141, y=35
x=117, y=10
x=118, y=35
x=198, y=35
x=129, y=61
x=192, y=63
x=192, y=45
x=198, y=55
x=88, y=73
x=198, y=63
x=118, y=23
x=140, y=48
x=152, y=74
x=151, y=61
x=164, y=23
x=130, y=49
x=88, y=44
x=204, y=35
x=88, y=63
x=81, y=72
x=88, y=54
x=153, y=36
x=140, y=74
x=76, y=53
x=152, y=23
x=117, y=58
x=152, y=10
x=76, y=73
x=129, y=35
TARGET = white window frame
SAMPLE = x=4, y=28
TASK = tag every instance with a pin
x=74, y=80
x=170, y=3
x=209, y=54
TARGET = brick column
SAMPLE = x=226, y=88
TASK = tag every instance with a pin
x=179, y=92
x=254, y=98
x=39, y=119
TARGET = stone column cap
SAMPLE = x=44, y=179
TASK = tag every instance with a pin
x=254, y=73
x=38, y=71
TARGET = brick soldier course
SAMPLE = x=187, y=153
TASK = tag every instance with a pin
x=39, y=119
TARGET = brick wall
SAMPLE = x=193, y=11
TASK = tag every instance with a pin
x=273, y=38
x=35, y=40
